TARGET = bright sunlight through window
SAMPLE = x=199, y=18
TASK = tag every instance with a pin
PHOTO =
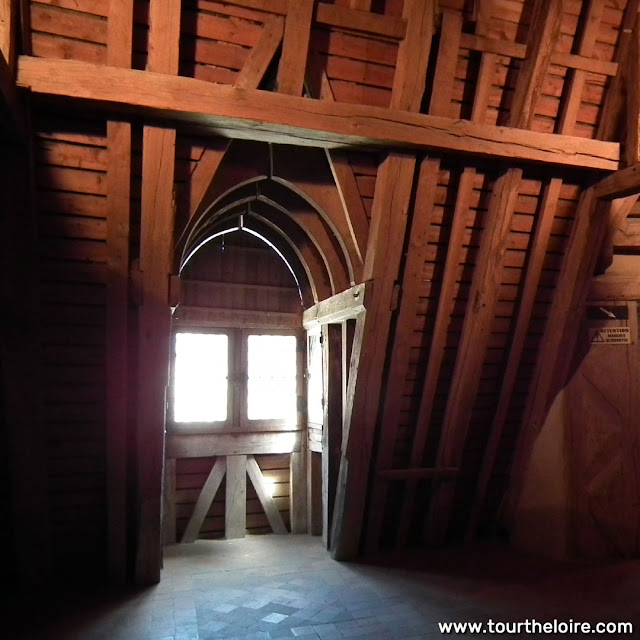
x=200, y=378
x=271, y=384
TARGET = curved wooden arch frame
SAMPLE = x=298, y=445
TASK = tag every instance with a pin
x=324, y=264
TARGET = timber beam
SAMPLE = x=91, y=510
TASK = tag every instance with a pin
x=259, y=115
x=346, y=305
x=625, y=182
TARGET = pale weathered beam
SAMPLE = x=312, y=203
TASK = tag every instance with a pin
x=341, y=306
x=205, y=498
x=229, y=111
x=295, y=47
x=266, y=500
x=154, y=319
x=230, y=444
x=332, y=422
x=235, y=505
x=118, y=202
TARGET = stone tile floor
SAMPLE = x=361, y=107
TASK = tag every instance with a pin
x=268, y=587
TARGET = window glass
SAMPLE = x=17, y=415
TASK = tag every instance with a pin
x=314, y=379
x=271, y=381
x=200, y=377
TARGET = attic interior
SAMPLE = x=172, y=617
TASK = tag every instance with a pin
x=436, y=199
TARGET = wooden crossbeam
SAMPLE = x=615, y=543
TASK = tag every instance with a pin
x=484, y=44
x=232, y=112
x=485, y=284
x=339, y=307
x=154, y=320
x=266, y=500
x=205, y=498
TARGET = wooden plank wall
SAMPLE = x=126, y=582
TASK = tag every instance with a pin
x=70, y=174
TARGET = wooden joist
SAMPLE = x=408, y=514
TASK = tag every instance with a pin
x=229, y=444
x=233, y=112
x=342, y=306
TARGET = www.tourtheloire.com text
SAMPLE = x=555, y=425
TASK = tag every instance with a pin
x=534, y=626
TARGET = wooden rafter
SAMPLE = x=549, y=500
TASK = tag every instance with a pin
x=119, y=51
x=412, y=277
x=485, y=284
x=156, y=247
x=382, y=263
x=241, y=113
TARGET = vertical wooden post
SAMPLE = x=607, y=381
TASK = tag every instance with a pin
x=235, y=510
x=119, y=49
x=314, y=493
x=169, y=502
x=156, y=247
x=332, y=422
x=298, y=503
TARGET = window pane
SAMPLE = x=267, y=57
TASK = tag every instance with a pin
x=271, y=384
x=200, y=379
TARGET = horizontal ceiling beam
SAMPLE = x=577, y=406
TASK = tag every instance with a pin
x=260, y=115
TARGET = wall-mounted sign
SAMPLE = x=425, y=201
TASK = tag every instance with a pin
x=610, y=335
